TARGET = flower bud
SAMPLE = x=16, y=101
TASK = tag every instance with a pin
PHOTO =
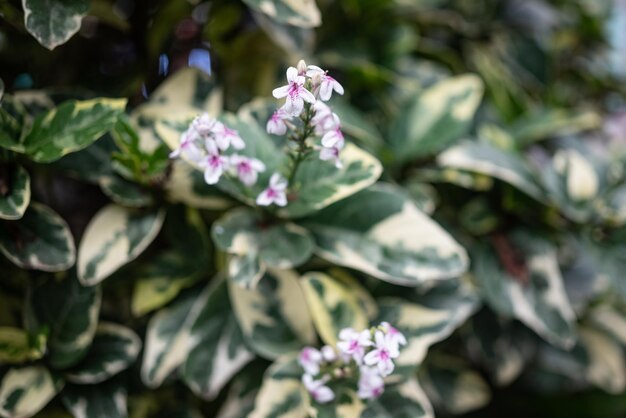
x=301, y=67
x=316, y=79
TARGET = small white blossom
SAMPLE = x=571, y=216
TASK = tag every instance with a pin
x=203, y=124
x=310, y=359
x=394, y=336
x=247, y=169
x=324, y=119
x=371, y=383
x=331, y=154
x=318, y=389
x=276, y=124
x=327, y=84
x=295, y=93
x=213, y=163
x=383, y=354
x=301, y=67
x=328, y=353
x=353, y=343
x=275, y=192
x=225, y=137
x=188, y=147
x=333, y=138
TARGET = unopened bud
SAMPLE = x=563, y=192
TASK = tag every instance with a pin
x=301, y=67
x=316, y=79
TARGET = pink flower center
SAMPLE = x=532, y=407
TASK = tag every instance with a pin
x=294, y=90
x=383, y=355
x=214, y=161
x=377, y=392
x=271, y=193
x=354, y=345
x=244, y=167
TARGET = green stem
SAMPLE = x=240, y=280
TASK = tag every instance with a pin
x=302, y=150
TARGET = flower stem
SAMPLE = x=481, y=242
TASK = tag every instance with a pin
x=303, y=149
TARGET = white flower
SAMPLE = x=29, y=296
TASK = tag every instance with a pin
x=317, y=389
x=327, y=83
x=295, y=93
x=353, y=343
x=310, y=359
x=371, y=383
x=333, y=138
x=247, y=169
x=328, y=353
x=331, y=154
x=188, y=147
x=276, y=124
x=213, y=163
x=394, y=336
x=382, y=355
x=203, y=124
x=324, y=119
x=225, y=137
x=275, y=192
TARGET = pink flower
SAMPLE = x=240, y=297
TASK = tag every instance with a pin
x=317, y=389
x=353, y=343
x=247, y=169
x=333, y=138
x=324, y=119
x=203, y=124
x=331, y=154
x=214, y=164
x=225, y=137
x=275, y=192
x=327, y=83
x=382, y=355
x=276, y=124
x=295, y=93
x=188, y=147
x=371, y=383
x=328, y=353
x=310, y=359
x=394, y=336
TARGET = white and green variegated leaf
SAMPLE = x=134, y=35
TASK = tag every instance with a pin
x=114, y=237
x=70, y=127
x=125, y=193
x=186, y=185
x=400, y=400
x=431, y=318
x=245, y=270
x=293, y=39
x=16, y=346
x=70, y=312
x=114, y=349
x=168, y=337
x=282, y=394
x=465, y=179
x=424, y=195
x=89, y=164
x=302, y=13
x=486, y=159
x=546, y=123
x=105, y=400
x=273, y=317
x=357, y=126
x=244, y=233
x=611, y=319
x=51, y=22
x=364, y=298
x=25, y=391
x=319, y=183
x=608, y=258
x=452, y=385
x=242, y=393
x=333, y=305
x=14, y=119
x=217, y=350
x=40, y=240
x=436, y=118
x=15, y=198
x=537, y=297
x=381, y=232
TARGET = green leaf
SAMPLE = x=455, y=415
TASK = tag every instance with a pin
x=532, y=292
x=320, y=183
x=217, y=351
x=40, y=240
x=114, y=237
x=13, y=120
x=545, y=123
x=70, y=127
x=239, y=401
x=380, y=231
x=273, y=317
x=333, y=305
x=24, y=392
x=16, y=346
x=357, y=126
x=302, y=13
x=186, y=185
x=89, y=164
x=105, y=400
x=51, y=22
x=431, y=318
x=14, y=191
x=113, y=350
x=70, y=311
x=404, y=400
x=436, y=118
x=125, y=193
x=245, y=270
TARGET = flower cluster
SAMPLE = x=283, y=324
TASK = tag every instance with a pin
x=366, y=355
x=308, y=87
x=205, y=142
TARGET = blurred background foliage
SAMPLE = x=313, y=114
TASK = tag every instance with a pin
x=554, y=75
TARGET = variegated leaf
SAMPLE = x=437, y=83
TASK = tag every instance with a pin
x=437, y=118
x=105, y=400
x=302, y=13
x=70, y=311
x=70, y=127
x=489, y=160
x=113, y=350
x=242, y=393
x=333, y=305
x=380, y=232
x=611, y=319
x=358, y=126
x=245, y=270
x=53, y=23
x=546, y=123
x=186, y=185
x=125, y=193
x=217, y=350
x=273, y=317
x=16, y=346
x=169, y=335
x=452, y=385
x=114, y=237
x=533, y=293
x=14, y=191
x=40, y=240
x=25, y=391
x=465, y=179
x=401, y=400
x=433, y=317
